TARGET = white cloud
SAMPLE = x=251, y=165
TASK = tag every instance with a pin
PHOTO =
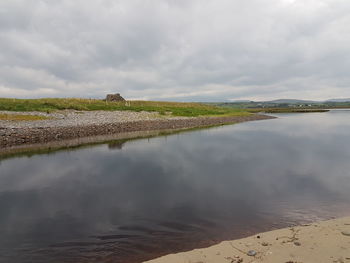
x=183, y=50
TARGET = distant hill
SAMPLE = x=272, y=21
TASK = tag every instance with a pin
x=240, y=101
x=294, y=101
x=290, y=101
x=286, y=103
x=338, y=100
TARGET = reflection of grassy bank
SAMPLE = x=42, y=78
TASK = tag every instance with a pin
x=173, y=108
x=286, y=110
x=54, y=147
x=29, y=152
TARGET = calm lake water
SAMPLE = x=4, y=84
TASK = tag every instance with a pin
x=125, y=202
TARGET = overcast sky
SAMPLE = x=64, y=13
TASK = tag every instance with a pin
x=185, y=50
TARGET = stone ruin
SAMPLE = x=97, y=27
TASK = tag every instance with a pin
x=114, y=97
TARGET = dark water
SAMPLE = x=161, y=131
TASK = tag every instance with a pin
x=144, y=198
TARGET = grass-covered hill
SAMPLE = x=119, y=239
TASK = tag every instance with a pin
x=171, y=108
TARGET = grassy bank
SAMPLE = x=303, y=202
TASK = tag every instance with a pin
x=20, y=117
x=173, y=108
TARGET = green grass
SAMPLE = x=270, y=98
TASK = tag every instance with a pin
x=20, y=117
x=164, y=108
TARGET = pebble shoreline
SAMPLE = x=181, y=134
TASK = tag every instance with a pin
x=67, y=125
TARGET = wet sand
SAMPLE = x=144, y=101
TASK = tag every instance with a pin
x=327, y=241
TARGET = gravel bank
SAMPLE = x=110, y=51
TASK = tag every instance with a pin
x=66, y=125
x=78, y=118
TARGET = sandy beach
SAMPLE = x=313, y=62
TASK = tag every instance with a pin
x=320, y=242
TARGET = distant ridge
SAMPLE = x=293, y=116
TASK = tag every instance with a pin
x=339, y=100
x=291, y=101
x=240, y=101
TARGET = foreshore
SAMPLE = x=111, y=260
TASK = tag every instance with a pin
x=103, y=124
x=320, y=242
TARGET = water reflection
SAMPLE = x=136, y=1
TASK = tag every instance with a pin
x=168, y=194
x=117, y=145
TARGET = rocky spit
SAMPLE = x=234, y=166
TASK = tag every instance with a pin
x=70, y=124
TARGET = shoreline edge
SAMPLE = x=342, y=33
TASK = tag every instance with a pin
x=324, y=241
x=10, y=137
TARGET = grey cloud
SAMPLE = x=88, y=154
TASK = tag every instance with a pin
x=179, y=50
